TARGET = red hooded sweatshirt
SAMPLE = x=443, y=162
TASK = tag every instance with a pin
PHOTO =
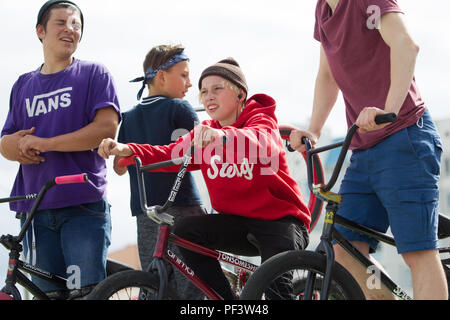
x=249, y=175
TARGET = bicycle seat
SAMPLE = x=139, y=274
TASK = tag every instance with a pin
x=443, y=226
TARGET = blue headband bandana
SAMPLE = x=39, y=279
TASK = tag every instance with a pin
x=151, y=73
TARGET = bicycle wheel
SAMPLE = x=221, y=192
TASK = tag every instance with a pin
x=446, y=264
x=289, y=270
x=299, y=286
x=129, y=285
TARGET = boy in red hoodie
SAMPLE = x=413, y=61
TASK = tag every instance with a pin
x=247, y=178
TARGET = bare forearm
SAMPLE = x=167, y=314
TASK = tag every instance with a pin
x=403, y=61
x=10, y=150
x=8, y=147
x=89, y=137
x=325, y=96
x=83, y=139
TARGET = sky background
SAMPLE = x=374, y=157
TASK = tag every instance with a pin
x=271, y=40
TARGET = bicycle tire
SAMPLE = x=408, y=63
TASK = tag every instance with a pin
x=114, y=266
x=261, y=284
x=315, y=205
x=447, y=274
x=130, y=285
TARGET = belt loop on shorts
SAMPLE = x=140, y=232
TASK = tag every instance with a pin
x=420, y=120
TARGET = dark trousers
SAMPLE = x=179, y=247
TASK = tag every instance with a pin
x=229, y=233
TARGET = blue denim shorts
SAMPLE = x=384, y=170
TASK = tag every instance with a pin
x=69, y=242
x=395, y=183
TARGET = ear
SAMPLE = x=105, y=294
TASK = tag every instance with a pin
x=160, y=76
x=242, y=96
x=40, y=32
x=158, y=81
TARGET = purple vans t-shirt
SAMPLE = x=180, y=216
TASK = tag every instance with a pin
x=57, y=104
x=359, y=60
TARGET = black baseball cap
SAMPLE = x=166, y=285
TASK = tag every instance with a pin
x=50, y=3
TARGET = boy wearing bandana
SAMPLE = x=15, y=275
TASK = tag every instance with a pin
x=159, y=119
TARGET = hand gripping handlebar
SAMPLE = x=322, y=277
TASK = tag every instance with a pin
x=383, y=118
x=158, y=213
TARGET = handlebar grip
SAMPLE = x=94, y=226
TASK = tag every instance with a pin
x=285, y=133
x=385, y=118
x=125, y=162
x=76, y=178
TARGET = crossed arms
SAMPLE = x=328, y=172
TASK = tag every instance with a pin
x=26, y=148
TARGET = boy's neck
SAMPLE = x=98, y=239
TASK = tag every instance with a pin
x=156, y=91
x=333, y=4
x=51, y=66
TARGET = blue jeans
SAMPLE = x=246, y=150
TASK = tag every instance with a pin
x=395, y=183
x=71, y=242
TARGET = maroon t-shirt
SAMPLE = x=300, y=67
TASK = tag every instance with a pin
x=359, y=60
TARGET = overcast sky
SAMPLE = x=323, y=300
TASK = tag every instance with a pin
x=272, y=41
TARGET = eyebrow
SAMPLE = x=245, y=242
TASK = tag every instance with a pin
x=60, y=20
x=217, y=85
x=213, y=86
x=65, y=19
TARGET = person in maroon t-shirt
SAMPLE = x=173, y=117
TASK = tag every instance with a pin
x=392, y=181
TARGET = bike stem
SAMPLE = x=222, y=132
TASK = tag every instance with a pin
x=383, y=118
x=158, y=213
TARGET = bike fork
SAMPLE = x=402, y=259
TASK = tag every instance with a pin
x=158, y=261
x=158, y=264
x=325, y=246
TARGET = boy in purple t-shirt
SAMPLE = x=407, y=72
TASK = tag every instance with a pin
x=58, y=114
x=367, y=54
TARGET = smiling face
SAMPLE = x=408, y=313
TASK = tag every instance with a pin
x=61, y=34
x=220, y=100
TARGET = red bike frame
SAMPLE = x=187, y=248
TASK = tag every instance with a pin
x=161, y=252
x=157, y=213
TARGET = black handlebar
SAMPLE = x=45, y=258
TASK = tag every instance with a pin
x=380, y=119
x=385, y=118
x=184, y=161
